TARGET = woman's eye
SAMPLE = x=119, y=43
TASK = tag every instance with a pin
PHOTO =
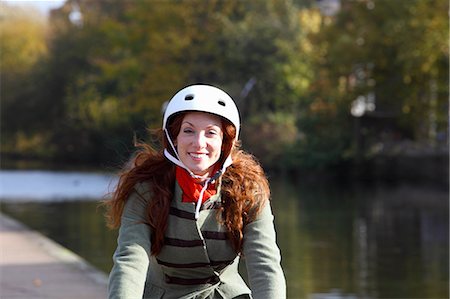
x=214, y=132
x=188, y=130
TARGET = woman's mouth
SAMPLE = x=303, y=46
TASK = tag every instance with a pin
x=198, y=155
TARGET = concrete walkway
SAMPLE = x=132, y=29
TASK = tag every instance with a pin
x=34, y=267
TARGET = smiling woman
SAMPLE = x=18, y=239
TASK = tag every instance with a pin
x=188, y=212
x=199, y=142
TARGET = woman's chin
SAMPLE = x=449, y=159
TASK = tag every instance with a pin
x=204, y=173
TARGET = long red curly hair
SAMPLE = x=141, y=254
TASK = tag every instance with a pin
x=244, y=186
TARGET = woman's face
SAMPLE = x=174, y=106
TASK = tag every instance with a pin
x=199, y=142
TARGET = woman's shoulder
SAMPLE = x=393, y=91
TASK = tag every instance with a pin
x=250, y=176
x=139, y=197
x=143, y=188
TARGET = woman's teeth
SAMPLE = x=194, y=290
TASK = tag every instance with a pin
x=197, y=155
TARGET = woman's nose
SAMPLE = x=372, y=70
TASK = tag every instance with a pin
x=200, y=140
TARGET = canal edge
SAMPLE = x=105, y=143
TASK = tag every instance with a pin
x=55, y=250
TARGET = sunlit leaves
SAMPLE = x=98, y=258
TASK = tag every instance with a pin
x=293, y=71
x=22, y=39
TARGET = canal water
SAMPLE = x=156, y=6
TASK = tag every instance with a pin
x=337, y=241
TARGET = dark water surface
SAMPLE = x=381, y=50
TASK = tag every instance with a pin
x=354, y=241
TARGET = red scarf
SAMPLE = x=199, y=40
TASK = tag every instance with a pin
x=191, y=189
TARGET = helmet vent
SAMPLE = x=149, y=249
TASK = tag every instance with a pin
x=189, y=97
x=221, y=103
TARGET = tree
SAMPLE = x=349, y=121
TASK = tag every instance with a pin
x=294, y=73
x=23, y=44
x=393, y=54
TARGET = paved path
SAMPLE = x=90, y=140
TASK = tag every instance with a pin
x=34, y=267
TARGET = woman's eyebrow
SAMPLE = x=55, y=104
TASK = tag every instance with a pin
x=208, y=126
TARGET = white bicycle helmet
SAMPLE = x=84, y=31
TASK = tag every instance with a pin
x=202, y=98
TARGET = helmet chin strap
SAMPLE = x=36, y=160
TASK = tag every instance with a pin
x=177, y=161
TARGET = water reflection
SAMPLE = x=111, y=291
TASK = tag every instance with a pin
x=336, y=241
x=26, y=185
x=372, y=242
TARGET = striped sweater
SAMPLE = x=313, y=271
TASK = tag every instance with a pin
x=197, y=260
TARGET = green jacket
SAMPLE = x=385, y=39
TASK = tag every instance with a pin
x=196, y=261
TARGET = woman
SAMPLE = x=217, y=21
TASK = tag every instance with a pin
x=188, y=212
